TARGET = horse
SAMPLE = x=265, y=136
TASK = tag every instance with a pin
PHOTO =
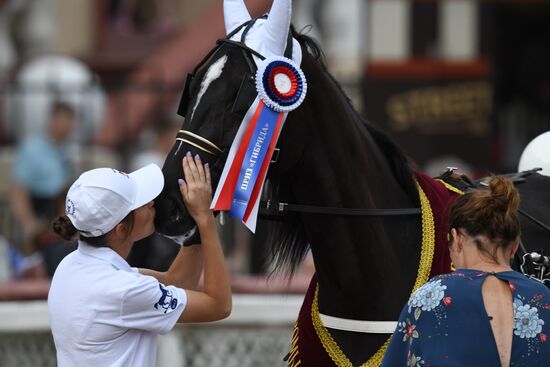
x=338, y=186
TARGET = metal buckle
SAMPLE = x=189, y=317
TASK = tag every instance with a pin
x=536, y=266
x=275, y=156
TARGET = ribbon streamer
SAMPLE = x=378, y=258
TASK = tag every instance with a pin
x=281, y=88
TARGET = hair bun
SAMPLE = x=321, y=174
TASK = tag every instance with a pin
x=504, y=196
x=490, y=213
x=64, y=228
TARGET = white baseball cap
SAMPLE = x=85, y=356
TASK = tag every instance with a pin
x=101, y=198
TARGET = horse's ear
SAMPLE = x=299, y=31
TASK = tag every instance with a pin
x=277, y=26
x=234, y=14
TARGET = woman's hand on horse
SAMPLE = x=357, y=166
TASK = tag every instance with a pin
x=196, y=190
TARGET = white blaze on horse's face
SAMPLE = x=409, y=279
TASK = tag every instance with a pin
x=213, y=73
x=267, y=36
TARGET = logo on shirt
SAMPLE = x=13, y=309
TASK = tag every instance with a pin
x=166, y=300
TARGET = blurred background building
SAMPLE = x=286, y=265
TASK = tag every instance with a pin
x=467, y=79
x=462, y=83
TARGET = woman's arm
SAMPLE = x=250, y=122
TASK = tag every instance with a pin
x=214, y=302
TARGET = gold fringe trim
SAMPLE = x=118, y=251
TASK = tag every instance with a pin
x=293, y=358
x=428, y=241
x=424, y=268
x=450, y=187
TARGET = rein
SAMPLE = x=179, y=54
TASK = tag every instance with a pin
x=270, y=208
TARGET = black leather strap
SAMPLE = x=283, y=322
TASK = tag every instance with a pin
x=288, y=50
x=534, y=220
x=269, y=208
x=241, y=45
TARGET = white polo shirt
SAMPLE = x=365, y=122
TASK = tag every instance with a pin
x=104, y=313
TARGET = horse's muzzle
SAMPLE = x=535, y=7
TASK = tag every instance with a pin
x=173, y=221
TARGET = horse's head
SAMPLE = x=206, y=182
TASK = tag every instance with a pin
x=216, y=97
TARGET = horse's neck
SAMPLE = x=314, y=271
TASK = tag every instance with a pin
x=353, y=256
x=345, y=161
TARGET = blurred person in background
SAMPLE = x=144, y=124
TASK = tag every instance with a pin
x=16, y=266
x=46, y=245
x=43, y=250
x=41, y=171
x=157, y=144
x=8, y=56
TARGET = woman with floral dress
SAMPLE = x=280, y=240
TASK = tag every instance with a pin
x=484, y=313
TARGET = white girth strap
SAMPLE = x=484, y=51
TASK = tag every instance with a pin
x=358, y=326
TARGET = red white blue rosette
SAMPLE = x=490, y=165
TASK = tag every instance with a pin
x=280, y=83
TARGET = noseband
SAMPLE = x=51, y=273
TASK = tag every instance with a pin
x=199, y=140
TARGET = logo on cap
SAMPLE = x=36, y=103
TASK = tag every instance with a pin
x=70, y=209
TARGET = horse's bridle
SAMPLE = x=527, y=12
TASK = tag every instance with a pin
x=268, y=209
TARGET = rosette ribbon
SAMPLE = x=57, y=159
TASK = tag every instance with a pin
x=281, y=87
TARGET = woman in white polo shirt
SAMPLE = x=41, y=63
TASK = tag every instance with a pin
x=105, y=313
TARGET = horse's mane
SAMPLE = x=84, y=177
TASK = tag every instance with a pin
x=288, y=239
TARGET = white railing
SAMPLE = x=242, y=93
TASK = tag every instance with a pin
x=257, y=333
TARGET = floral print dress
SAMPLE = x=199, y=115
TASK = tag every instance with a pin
x=445, y=323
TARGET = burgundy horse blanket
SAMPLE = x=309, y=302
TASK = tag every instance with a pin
x=307, y=348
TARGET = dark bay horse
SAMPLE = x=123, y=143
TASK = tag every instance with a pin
x=367, y=266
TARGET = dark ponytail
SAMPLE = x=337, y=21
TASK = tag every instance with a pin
x=491, y=213
x=64, y=228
